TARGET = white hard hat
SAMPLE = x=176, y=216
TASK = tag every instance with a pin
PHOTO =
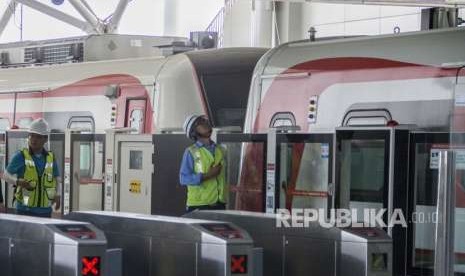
x=187, y=126
x=39, y=126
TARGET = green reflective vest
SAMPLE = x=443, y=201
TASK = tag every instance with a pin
x=44, y=188
x=212, y=190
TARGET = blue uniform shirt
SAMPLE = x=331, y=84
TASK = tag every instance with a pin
x=17, y=166
x=187, y=175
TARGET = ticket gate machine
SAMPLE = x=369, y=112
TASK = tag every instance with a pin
x=312, y=250
x=49, y=247
x=161, y=245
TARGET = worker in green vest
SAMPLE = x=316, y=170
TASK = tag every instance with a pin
x=202, y=168
x=34, y=173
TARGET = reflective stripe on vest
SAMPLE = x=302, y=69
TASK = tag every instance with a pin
x=209, y=191
x=43, y=189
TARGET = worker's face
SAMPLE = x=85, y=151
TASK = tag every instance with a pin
x=204, y=130
x=36, y=141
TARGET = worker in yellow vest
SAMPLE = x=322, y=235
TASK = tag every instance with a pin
x=34, y=173
x=202, y=168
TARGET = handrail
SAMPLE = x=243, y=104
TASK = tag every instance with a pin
x=217, y=23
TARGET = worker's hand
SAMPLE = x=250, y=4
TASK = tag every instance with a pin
x=57, y=202
x=213, y=172
x=24, y=184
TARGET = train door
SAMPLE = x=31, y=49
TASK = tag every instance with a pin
x=135, y=115
x=299, y=171
x=83, y=171
x=371, y=178
x=245, y=170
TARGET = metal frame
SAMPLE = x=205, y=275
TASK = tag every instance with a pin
x=395, y=174
x=91, y=25
x=57, y=14
x=364, y=134
x=10, y=9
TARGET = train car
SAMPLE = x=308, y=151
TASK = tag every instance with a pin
x=412, y=80
x=151, y=95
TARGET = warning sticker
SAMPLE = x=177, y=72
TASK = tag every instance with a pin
x=324, y=150
x=459, y=159
x=135, y=186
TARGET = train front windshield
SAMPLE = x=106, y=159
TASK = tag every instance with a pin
x=226, y=95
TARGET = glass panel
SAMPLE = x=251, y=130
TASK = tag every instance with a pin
x=84, y=126
x=135, y=160
x=56, y=146
x=2, y=156
x=362, y=175
x=227, y=97
x=4, y=124
x=85, y=160
x=91, y=175
x=304, y=172
x=14, y=145
x=425, y=183
x=136, y=120
x=457, y=140
x=24, y=122
x=245, y=178
x=424, y=216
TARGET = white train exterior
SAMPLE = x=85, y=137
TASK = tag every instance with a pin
x=152, y=94
x=416, y=78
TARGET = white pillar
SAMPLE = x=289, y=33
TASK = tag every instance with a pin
x=170, y=15
x=262, y=23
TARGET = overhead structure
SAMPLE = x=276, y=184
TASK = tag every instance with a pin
x=10, y=9
x=91, y=24
x=413, y=3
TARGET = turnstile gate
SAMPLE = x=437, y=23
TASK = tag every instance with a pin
x=312, y=250
x=161, y=246
x=49, y=247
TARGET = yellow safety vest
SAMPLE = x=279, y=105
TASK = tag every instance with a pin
x=212, y=190
x=44, y=188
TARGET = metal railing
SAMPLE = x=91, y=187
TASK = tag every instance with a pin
x=217, y=23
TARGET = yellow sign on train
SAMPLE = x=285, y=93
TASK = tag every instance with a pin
x=135, y=186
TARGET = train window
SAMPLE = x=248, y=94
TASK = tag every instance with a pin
x=226, y=96
x=2, y=156
x=135, y=160
x=24, y=122
x=135, y=120
x=85, y=162
x=84, y=123
x=4, y=124
x=283, y=119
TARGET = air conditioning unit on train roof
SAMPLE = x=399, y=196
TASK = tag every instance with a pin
x=88, y=48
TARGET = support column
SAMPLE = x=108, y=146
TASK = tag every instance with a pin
x=170, y=22
x=262, y=23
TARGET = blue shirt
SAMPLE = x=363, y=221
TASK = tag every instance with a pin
x=187, y=175
x=17, y=166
